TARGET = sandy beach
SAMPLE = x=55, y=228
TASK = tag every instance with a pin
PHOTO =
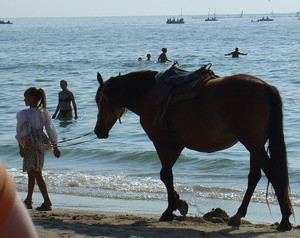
x=65, y=223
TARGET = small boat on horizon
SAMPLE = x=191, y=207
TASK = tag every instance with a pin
x=266, y=19
x=209, y=18
x=5, y=22
x=175, y=21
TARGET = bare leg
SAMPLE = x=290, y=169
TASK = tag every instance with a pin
x=43, y=188
x=31, y=183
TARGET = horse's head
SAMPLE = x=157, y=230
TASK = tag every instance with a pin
x=108, y=113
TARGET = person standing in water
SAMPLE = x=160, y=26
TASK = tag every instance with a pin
x=235, y=53
x=163, y=56
x=64, y=108
x=33, y=142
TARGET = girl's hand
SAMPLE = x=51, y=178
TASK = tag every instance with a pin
x=56, y=152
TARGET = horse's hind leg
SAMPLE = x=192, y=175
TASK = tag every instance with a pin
x=282, y=194
x=253, y=178
x=276, y=177
x=261, y=160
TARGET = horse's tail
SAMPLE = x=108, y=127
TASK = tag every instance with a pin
x=277, y=147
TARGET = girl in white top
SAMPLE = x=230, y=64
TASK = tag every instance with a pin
x=32, y=142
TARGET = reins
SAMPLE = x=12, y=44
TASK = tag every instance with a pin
x=71, y=139
x=77, y=143
x=75, y=138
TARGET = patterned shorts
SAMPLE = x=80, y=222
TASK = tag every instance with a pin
x=34, y=151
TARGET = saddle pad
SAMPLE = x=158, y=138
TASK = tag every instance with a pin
x=178, y=83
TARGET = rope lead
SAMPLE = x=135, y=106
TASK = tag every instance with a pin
x=75, y=138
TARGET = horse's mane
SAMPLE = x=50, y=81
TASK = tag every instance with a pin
x=128, y=88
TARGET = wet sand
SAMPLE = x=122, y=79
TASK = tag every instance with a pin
x=62, y=223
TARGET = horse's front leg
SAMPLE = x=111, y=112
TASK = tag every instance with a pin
x=174, y=201
x=166, y=175
x=168, y=156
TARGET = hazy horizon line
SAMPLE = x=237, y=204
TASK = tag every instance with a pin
x=184, y=15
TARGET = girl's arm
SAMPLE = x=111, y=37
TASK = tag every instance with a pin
x=52, y=134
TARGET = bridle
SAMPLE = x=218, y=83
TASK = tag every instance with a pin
x=99, y=102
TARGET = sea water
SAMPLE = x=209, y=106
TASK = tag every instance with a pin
x=121, y=173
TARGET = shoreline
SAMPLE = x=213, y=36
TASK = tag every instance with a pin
x=82, y=223
x=258, y=213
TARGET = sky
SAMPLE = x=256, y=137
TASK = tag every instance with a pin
x=95, y=8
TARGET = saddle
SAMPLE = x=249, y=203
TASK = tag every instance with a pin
x=176, y=84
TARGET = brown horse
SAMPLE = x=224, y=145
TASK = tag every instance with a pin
x=226, y=110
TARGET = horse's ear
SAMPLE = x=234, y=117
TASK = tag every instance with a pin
x=99, y=78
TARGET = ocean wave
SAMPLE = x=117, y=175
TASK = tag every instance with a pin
x=146, y=187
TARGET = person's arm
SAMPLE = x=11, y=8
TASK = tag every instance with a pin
x=56, y=151
x=166, y=58
x=74, y=105
x=23, y=128
x=52, y=134
x=57, y=109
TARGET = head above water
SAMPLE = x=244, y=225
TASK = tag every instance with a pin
x=63, y=84
x=39, y=96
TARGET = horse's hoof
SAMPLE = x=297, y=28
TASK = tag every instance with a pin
x=183, y=207
x=166, y=217
x=284, y=226
x=234, y=220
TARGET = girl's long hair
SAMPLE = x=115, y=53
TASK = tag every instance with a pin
x=39, y=95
